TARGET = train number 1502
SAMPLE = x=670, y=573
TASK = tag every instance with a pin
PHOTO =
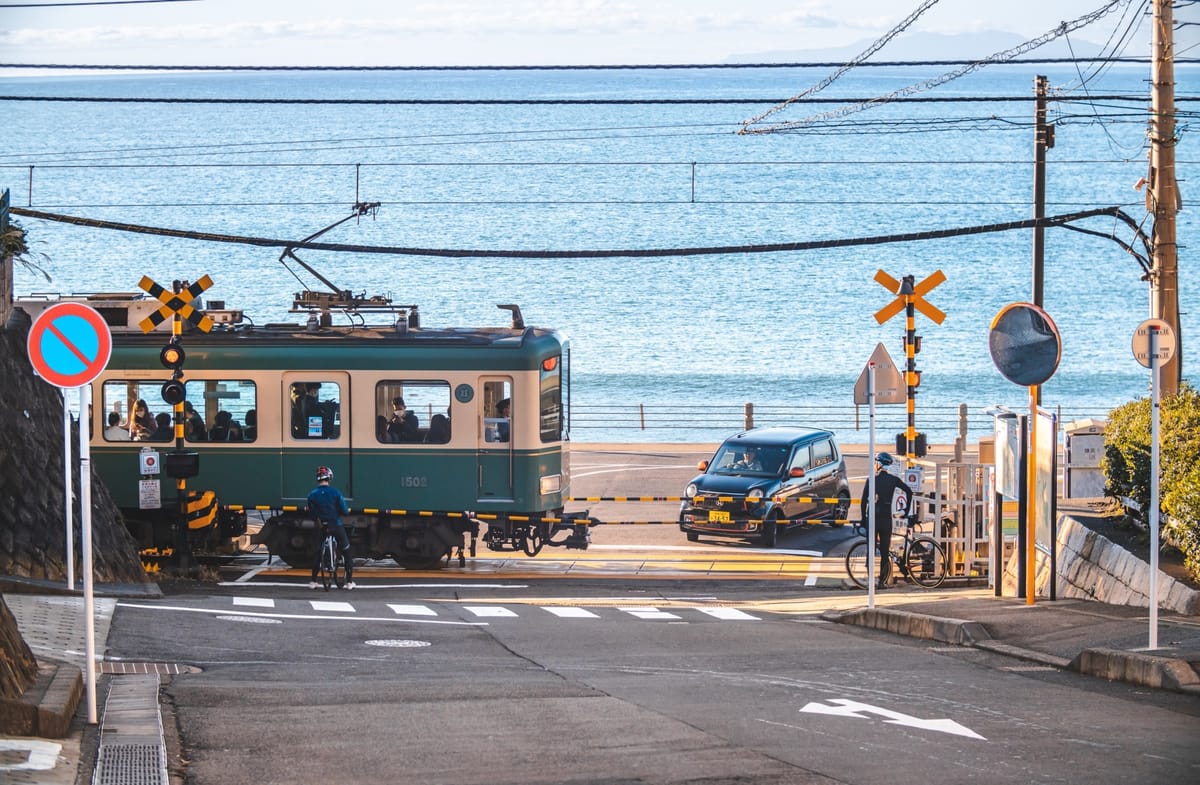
x=413, y=481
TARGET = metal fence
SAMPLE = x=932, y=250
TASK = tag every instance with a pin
x=713, y=422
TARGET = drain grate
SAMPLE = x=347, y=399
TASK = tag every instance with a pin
x=119, y=668
x=130, y=764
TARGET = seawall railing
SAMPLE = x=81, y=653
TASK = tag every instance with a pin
x=713, y=422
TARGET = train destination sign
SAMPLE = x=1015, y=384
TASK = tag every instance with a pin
x=69, y=345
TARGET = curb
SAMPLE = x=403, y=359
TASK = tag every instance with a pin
x=46, y=709
x=1148, y=670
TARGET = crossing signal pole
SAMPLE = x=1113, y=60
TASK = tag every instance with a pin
x=910, y=298
x=179, y=463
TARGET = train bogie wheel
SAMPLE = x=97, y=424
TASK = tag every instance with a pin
x=418, y=560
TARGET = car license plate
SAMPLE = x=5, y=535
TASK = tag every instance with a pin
x=718, y=516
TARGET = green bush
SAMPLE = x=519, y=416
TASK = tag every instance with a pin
x=1126, y=466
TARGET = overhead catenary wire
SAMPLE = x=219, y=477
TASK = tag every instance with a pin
x=632, y=253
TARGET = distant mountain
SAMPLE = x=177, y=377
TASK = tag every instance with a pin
x=928, y=46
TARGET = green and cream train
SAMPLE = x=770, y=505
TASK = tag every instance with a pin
x=265, y=405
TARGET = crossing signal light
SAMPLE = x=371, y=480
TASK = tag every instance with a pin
x=172, y=357
x=173, y=392
x=920, y=445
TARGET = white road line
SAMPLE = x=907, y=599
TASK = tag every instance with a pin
x=254, y=602
x=491, y=611
x=337, y=607
x=412, y=610
x=570, y=613
x=649, y=613
x=729, y=614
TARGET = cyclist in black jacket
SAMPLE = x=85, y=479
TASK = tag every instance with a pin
x=893, y=499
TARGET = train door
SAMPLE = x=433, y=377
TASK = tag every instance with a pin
x=316, y=431
x=498, y=423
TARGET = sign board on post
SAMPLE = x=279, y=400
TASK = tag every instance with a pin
x=889, y=383
x=69, y=344
x=149, y=495
x=1164, y=342
x=148, y=462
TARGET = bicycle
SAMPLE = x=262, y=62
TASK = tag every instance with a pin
x=332, y=568
x=920, y=558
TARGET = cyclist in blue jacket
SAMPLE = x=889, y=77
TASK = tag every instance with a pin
x=328, y=505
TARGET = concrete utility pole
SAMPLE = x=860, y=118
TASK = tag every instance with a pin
x=1162, y=193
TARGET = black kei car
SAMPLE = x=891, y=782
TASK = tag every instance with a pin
x=764, y=480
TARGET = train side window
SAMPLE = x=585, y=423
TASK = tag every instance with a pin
x=220, y=410
x=316, y=413
x=412, y=411
x=497, y=410
x=132, y=410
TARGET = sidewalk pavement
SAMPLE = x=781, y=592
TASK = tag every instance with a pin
x=1095, y=639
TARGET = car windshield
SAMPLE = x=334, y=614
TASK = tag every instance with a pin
x=748, y=459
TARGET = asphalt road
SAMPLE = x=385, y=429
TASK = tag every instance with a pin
x=591, y=681
x=607, y=678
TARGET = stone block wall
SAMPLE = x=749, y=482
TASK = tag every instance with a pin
x=1092, y=567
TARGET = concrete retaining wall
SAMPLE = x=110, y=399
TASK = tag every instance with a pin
x=1092, y=567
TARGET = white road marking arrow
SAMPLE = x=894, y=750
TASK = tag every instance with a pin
x=849, y=708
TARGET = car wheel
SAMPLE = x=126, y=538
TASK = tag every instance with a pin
x=770, y=531
x=693, y=537
x=842, y=511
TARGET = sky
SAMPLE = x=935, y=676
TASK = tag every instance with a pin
x=489, y=32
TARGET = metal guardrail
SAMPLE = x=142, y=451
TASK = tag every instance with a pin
x=943, y=423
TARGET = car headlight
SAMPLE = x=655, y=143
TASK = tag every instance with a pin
x=755, y=496
x=691, y=490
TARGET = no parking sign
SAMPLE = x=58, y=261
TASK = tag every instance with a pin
x=69, y=344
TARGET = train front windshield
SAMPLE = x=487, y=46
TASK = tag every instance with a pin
x=554, y=398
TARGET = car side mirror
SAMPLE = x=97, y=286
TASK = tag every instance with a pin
x=796, y=472
x=702, y=466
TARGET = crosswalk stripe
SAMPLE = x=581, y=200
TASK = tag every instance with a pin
x=570, y=613
x=412, y=610
x=729, y=614
x=500, y=612
x=339, y=607
x=491, y=611
x=649, y=613
x=254, y=602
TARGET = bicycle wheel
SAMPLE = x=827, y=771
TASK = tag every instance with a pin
x=925, y=562
x=857, y=564
x=339, y=567
x=328, y=550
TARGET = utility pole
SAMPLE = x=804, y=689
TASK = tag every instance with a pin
x=1043, y=140
x=1162, y=193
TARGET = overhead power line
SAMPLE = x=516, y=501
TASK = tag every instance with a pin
x=491, y=253
x=950, y=99
x=564, y=67
x=999, y=57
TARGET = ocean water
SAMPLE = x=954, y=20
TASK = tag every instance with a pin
x=684, y=341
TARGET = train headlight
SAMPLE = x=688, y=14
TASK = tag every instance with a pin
x=691, y=490
x=551, y=483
